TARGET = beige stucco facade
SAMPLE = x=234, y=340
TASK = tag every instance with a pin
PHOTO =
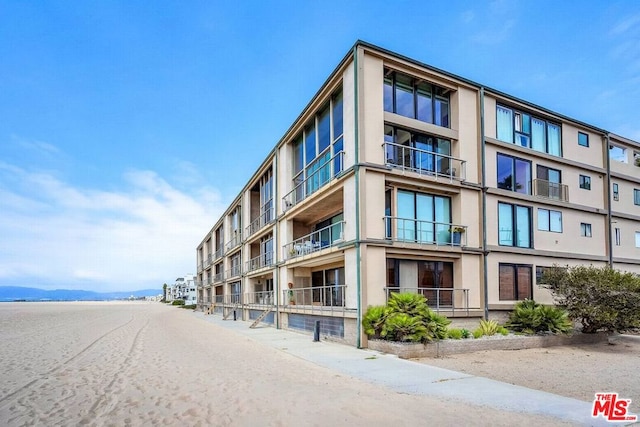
x=365, y=195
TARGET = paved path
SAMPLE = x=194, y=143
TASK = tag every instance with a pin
x=409, y=377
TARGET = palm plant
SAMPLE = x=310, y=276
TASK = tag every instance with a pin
x=373, y=320
x=404, y=328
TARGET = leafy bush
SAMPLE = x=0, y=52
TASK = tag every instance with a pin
x=178, y=302
x=454, y=333
x=529, y=317
x=404, y=328
x=466, y=333
x=189, y=307
x=373, y=320
x=489, y=328
x=477, y=333
x=406, y=318
x=600, y=298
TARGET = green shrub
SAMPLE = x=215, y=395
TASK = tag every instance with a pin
x=529, y=317
x=406, y=317
x=404, y=328
x=477, y=333
x=600, y=298
x=466, y=333
x=454, y=333
x=489, y=327
x=178, y=302
x=189, y=307
x=373, y=320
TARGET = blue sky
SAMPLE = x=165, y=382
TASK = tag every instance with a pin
x=127, y=127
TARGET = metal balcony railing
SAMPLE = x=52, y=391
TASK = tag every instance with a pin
x=425, y=232
x=324, y=238
x=218, y=277
x=208, y=260
x=260, y=298
x=318, y=296
x=219, y=253
x=262, y=260
x=550, y=190
x=233, y=271
x=236, y=239
x=322, y=175
x=267, y=216
x=424, y=162
x=439, y=299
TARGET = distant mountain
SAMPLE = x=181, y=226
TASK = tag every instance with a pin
x=17, y=293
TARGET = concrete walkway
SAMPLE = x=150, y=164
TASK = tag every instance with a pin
x=405, y=376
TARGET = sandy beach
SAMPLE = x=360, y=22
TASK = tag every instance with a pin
x=138, y=363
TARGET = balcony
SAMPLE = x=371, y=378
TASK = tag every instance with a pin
x=265, y=218
x=219, y=253
x=236, y=239
x=329, y=296
x=316, y=179
x=424, y=162
x=261, y=298
x=439, y=299
x=233, y=271
x=261, y=261
x=218, y=277
x=208, y=260
x=425, y=232
x=550, y=190
x=326, y=237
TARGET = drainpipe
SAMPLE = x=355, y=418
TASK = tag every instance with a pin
x=357, y=179
x=485, y=253
x=276, y=243
x=608, y=193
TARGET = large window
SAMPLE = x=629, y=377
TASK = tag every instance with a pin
x=514, y=174
x=416, y=151
x=549, y=220
x=514, y=225
x=423, y=218
x=329, y=286
x=314, y=148
x=585, y=229
x=515, y=282
x=523, y=129
x=416, y=99
x=549, y=183
x=433, y=279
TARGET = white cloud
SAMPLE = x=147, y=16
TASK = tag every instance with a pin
x=629, y=22
x=57, y=235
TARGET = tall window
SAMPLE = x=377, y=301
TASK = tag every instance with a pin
x=416, y=151
x=266, y=197
x=585, y=229
x=423, y=218
x=514, y=174
x=636, y=196
x=416, y=99
x=523, y=129
x=618, y=236
x=616, y=193
x=585, y=182
x=549, y=220
x=514, y=225
x=637, y=239
x=320, y=141
x=549, y=183
x=514, y=282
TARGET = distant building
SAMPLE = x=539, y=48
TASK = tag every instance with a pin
x=398, y=176
x=184, y=288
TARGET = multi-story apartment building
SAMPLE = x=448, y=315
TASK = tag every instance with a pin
x=185, y=289
x=400, y=176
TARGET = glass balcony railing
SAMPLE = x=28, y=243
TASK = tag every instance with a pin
x=319, y=173
x=550, y=190
x=427, y=232
x=261, y=261
x=324, y=238
x=424, y=162
x=265, y=218
x=235, y=240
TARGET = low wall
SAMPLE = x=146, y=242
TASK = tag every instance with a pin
x=500, y=342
